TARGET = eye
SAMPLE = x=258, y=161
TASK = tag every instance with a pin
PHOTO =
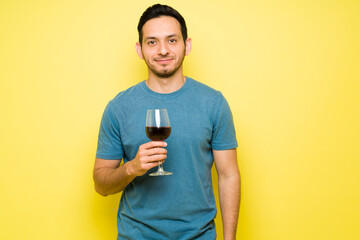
x=151, y=42
x=172, y=40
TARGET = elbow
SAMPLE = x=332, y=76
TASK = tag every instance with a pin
x=99, y=187
x=100, y=191
x=234, y=180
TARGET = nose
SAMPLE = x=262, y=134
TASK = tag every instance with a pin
x=163, y=49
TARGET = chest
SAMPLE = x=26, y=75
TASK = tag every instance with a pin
x=191, y=125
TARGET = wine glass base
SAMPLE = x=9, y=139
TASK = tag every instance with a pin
x=160, y=173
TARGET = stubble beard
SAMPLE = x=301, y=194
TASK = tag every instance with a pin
x=166, y=73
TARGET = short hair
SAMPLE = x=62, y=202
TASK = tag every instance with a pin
x=159, y=10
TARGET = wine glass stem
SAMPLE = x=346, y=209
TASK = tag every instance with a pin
x=160, y=168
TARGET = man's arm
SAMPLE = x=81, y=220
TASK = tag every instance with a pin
x=229, y=190
x=110, y=177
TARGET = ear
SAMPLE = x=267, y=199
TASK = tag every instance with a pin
x=138, y=50
x=188, y=46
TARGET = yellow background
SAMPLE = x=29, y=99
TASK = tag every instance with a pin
x=290, y=72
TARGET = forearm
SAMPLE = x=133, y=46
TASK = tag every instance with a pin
x=229, y=195
x=112, y=180
x=110, y=177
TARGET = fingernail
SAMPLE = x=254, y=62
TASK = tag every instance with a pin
x=165, y=144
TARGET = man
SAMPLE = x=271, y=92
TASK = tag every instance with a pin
x=182, y=205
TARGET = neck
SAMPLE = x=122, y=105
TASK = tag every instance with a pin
x=166, y=85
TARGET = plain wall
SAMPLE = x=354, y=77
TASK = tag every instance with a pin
x=289, y=70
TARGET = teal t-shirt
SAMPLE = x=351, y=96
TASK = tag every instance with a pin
x=182, y=205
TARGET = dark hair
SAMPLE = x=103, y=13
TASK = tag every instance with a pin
x=159, y=10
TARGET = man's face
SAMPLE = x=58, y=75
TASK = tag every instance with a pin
x=163, y=48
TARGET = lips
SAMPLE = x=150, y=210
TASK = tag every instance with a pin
x=163, y=60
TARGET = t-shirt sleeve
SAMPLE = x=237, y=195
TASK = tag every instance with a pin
x=223, y=135
x=109, y=141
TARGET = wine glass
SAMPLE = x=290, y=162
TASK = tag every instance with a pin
x=158, y=129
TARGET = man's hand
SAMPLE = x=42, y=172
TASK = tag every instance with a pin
x=110, y=177
x=148, y=156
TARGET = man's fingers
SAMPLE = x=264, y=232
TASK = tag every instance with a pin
x=150, y=155
x=154, y=164
x=153, y=144
x=154, y=158
x=154, y=151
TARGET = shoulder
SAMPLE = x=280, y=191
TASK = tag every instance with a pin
x=126, y=97
x=131, y=92
x=204, y=91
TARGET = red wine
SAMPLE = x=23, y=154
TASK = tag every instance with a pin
x=158, y=133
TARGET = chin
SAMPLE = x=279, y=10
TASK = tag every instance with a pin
x=165, y=74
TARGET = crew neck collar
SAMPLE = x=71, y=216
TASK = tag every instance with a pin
x=166, y=95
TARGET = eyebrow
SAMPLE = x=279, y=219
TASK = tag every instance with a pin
x=169, y=36
x=173, y=35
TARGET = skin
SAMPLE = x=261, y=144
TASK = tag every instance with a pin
x=163, y=50
x=229, y=190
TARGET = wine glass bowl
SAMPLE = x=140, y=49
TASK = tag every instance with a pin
x=158, y=133
x=158, y=129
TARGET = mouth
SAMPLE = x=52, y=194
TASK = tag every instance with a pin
x=163, y=60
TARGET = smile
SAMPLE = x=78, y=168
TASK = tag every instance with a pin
x=163, y=61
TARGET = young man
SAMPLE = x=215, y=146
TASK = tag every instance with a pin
x=182, y=205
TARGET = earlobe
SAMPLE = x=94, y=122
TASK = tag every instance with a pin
x=138, y=50
x=188, y=46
